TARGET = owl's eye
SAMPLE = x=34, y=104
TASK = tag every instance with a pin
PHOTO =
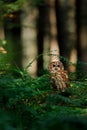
x=58, y=65
x=54, y=65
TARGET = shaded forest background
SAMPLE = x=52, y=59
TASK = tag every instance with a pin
x=31, y=29
x=33, y=33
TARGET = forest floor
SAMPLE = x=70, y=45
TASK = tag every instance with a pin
x=31, y=104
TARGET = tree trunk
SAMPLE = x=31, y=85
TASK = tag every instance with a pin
x=12, y=33
x=54, y=45
x=2, y=34
x=2, y=38
x=82, y=34
x=65, y=11
x=29, y=38
x=43, y=38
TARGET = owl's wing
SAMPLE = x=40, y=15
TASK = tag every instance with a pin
x=58, y=82
x=65, y=77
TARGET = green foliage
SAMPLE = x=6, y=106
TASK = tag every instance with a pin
x=30, y=103
x=11, y=6
x=36, y=2
x=7, y=7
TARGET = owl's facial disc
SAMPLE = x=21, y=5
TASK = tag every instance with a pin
x=57, y=65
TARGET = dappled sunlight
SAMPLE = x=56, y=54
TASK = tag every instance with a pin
x=54, y=50
x=2, y=50
x=32, y=69
x=29, y=38
x=46, y=48
x=73, y=60
x=54, y=46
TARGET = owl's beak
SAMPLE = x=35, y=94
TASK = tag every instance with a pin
x=56, y=68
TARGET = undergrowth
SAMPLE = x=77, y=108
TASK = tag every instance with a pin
x=28, y=103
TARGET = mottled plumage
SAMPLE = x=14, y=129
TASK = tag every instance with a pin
x=59, y=76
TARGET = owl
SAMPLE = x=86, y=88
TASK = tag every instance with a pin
x=59, y=76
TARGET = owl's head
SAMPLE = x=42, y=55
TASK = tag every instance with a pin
x=55, y=66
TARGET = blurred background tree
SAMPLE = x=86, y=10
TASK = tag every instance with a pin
x=30, y=28
x=66, y=24
x=81, y=23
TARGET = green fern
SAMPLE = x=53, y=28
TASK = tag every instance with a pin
x=31, y=103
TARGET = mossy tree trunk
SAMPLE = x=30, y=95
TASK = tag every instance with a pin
x=12, y=34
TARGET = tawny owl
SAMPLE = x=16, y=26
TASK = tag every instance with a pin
x=59, y=76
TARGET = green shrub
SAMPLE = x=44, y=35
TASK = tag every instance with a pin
x=30, y=103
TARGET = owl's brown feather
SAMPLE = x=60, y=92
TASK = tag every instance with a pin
x=59, y=76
